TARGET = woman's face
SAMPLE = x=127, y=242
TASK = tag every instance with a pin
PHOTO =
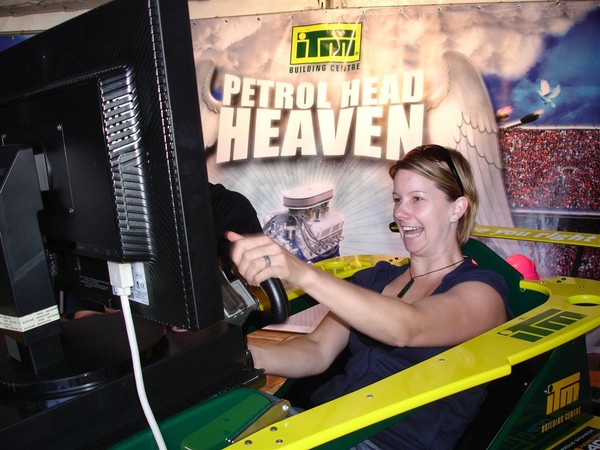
x=426, y=218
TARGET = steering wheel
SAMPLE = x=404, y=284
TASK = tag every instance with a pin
x=280, y=307
x=235, y=302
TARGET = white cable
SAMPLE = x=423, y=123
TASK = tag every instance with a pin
x=122, y=281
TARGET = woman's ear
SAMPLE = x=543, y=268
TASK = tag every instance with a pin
x=459, y=208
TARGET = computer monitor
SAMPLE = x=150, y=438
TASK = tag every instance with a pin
x=108, y=104
x=99, y=119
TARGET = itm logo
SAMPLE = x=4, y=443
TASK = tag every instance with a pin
x=562, y=393
x=542, y=325
x=326, y=42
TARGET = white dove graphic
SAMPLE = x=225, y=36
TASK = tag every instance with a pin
x=547, y=93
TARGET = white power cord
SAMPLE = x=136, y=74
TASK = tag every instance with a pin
x=121, y=279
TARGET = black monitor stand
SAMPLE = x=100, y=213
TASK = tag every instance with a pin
x=29, y=317
x=89, y=399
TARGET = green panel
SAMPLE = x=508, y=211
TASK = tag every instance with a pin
x=556, y=403
x=207, y=426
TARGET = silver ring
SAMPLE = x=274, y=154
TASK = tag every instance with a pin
x=267, y=261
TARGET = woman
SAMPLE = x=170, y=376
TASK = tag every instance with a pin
x=394, y=317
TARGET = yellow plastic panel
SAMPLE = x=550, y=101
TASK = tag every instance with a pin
x=534, y=235
x=345, y=267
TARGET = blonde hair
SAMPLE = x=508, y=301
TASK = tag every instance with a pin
x=451, y=173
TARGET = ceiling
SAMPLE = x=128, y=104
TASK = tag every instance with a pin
x=32, y=16
x=15, y=8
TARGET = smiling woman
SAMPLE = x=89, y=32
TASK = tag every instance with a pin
x=392, y=317
x=452, y=175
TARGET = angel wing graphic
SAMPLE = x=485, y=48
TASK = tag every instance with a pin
x=460, y=116
x=210, y=106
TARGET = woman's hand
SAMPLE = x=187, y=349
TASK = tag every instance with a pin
x=258, y=258
x=303, y=355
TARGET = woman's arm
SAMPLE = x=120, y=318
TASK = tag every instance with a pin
x=462, y=312
x=303, y=355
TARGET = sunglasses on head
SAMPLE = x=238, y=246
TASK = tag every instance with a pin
x=441, y=154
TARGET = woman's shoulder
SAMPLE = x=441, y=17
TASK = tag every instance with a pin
x=470, y=271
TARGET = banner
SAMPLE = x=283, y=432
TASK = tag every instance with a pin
x=304, y=112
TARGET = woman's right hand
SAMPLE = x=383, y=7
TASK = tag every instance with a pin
x=258, y=257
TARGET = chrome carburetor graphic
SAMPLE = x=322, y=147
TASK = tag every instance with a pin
x=309, y=228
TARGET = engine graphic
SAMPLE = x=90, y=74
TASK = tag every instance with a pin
x=309, y=229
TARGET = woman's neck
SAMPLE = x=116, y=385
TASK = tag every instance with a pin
x=421, y=265
x=438, y=271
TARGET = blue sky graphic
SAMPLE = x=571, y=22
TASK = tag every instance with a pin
x=571, y=61
x=7, y=41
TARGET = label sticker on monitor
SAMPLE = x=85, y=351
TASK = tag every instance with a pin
x=139, y=291
x=30, y=321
